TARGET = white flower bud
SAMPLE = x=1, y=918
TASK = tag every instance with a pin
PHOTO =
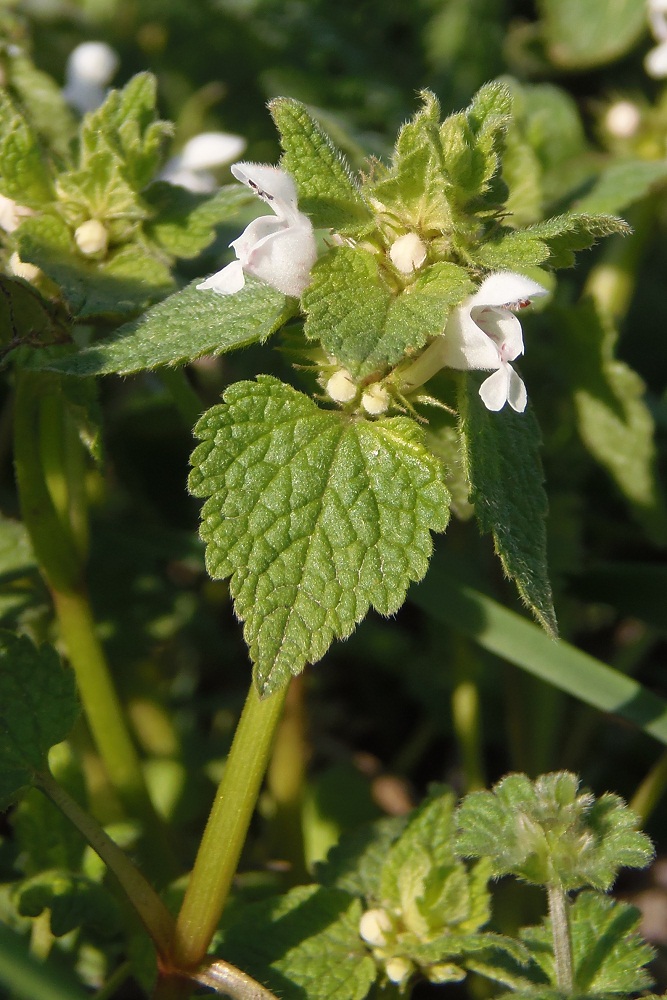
x=375, y=400
x=92, y=238
x=341, y=387
x=11, y=214
x=399, y=969
x=374, y=927
x=29, y=272
x=407, y=253
x=623, y=119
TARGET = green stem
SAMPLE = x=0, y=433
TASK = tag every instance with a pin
x=466, y=717
x=651, y=789
x=285, y=783
x=52, y=539
x=106, y=719
x=226, y=829
x=151, y=910
x=562, y=941
x=49, y=474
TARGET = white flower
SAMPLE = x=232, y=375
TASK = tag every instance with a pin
x=280, y=250
x=483, y=333
x=11, y=214
x=90, y=68
x=191, y=167
x=655, y=62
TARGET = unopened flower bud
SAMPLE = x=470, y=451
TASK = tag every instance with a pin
x=407, y=253
x=22, y=269
x=375, y=400
x=374, y=927
x=11, y=213
x=399, y=969
x=341, y=387
x=92, y=238
x=623, y=119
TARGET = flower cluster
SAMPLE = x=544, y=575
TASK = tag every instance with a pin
x=481, y=333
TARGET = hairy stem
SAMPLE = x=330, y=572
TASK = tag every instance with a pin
x=151, y=910
x=226, y=829
x=562, y=941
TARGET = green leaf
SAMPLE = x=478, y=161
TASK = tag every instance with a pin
x=186, y=326
x=564, y=234
x=416, y=187
x=582, y=35
x=16, y=555
x=73, y=901
x=121, y=286
x=608, y=952
x=38, y=707
x=613, y=419
x=621, y=185
x=24, y=174
x=549, y=833
x=327, y=190
x=505, y=473
x=509, y=636
x=27, y=977
x=315, y=516
x=362, y=324
x=429, y=833
x=355, y=863
x=126, y=124
x=43, y=101
x=305, y=943
x=44, y=835
x=101, y=190
x=472, y=164
x=184, y=223
x=26, y=317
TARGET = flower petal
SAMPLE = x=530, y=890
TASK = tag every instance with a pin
x=283, y=259
x=517, y=396
x=505, y=288
x=211, y=149
x=272, y=185
x=231, y=279
x=655, y=61
x=465, y=344
x=495, y=388
x=503, y=328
